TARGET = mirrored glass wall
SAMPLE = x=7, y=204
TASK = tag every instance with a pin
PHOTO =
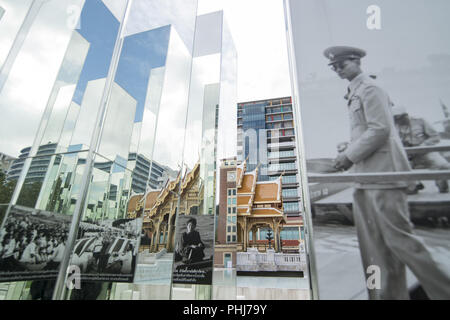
x=108, y=128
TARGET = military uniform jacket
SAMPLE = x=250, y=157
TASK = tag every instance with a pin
x=375, y=145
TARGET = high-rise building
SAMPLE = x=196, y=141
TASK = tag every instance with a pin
x=39, y=164
x=158, y=176
x=266, y=138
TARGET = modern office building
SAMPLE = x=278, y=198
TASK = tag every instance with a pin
x=159, y=173
x=39, y=165
x=266, y=138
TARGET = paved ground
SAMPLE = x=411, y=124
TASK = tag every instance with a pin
x=340, y=271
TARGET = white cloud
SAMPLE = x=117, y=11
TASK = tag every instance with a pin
x=257, y=27
x=25, y=94
x=145, y=15
x=172, y=110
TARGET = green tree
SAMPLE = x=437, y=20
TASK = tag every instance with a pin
x=55, y=195
x=29, y=194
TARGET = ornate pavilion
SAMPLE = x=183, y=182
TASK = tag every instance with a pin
x=259, y=205
x=158, y=209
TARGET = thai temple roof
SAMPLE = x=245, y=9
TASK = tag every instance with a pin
x=257, y=197
x=154, y=198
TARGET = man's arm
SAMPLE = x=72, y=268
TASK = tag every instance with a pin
x=375, y=104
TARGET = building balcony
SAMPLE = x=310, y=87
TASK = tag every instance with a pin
x=279, y=172
x=282, y=166
x=289, y=184
x=278, y=138
x=17, y=166
x=283, y=159
x=279, y=120
x=291, y=198
x=281, y=145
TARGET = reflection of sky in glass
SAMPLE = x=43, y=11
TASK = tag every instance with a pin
x=151, y=14
x=99, y=27
x=13, y=13
x=141, y=53
x=119, y=165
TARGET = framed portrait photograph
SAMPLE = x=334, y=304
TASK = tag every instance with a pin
x=371, y=87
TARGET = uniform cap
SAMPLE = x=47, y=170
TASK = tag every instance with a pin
x=340, y=53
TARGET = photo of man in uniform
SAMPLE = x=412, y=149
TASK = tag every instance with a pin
x=380, y=209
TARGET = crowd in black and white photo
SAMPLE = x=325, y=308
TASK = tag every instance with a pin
x=28, y=243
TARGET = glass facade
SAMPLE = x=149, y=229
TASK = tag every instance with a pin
x=99, y=132
x=125, y=137
x=267, y=142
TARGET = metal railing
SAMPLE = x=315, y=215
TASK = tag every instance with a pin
x=378, y=177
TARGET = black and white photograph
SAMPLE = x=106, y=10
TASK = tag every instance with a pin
x=106, y=251
x=194, y=249
x=373, y=82
x=32, y=244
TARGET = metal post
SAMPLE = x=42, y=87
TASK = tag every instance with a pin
x=59, y=291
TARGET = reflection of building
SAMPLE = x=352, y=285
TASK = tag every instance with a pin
x=260, y=208
x=266, y=137
x=259, y=205
x=159, y=209
x=226, y=228
x=39, y=165
x=159, y=174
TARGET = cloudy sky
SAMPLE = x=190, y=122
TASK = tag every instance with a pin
x=257, y=27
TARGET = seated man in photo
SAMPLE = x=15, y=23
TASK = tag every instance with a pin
x=191, y=245
x=416, y=132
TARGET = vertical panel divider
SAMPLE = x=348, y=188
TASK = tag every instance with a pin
x=293, y=72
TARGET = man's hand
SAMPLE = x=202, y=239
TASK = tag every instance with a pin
x=341, y=147
x=342, y=162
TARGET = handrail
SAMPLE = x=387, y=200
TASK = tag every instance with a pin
x=378, y=177
x=426, y=149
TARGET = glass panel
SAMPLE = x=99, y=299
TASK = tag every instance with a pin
x=199, y=159
x=50, y=20
x=110, y=252
x=12, y=14
x=370, y=184
x=155, y=63
x=52, y=181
